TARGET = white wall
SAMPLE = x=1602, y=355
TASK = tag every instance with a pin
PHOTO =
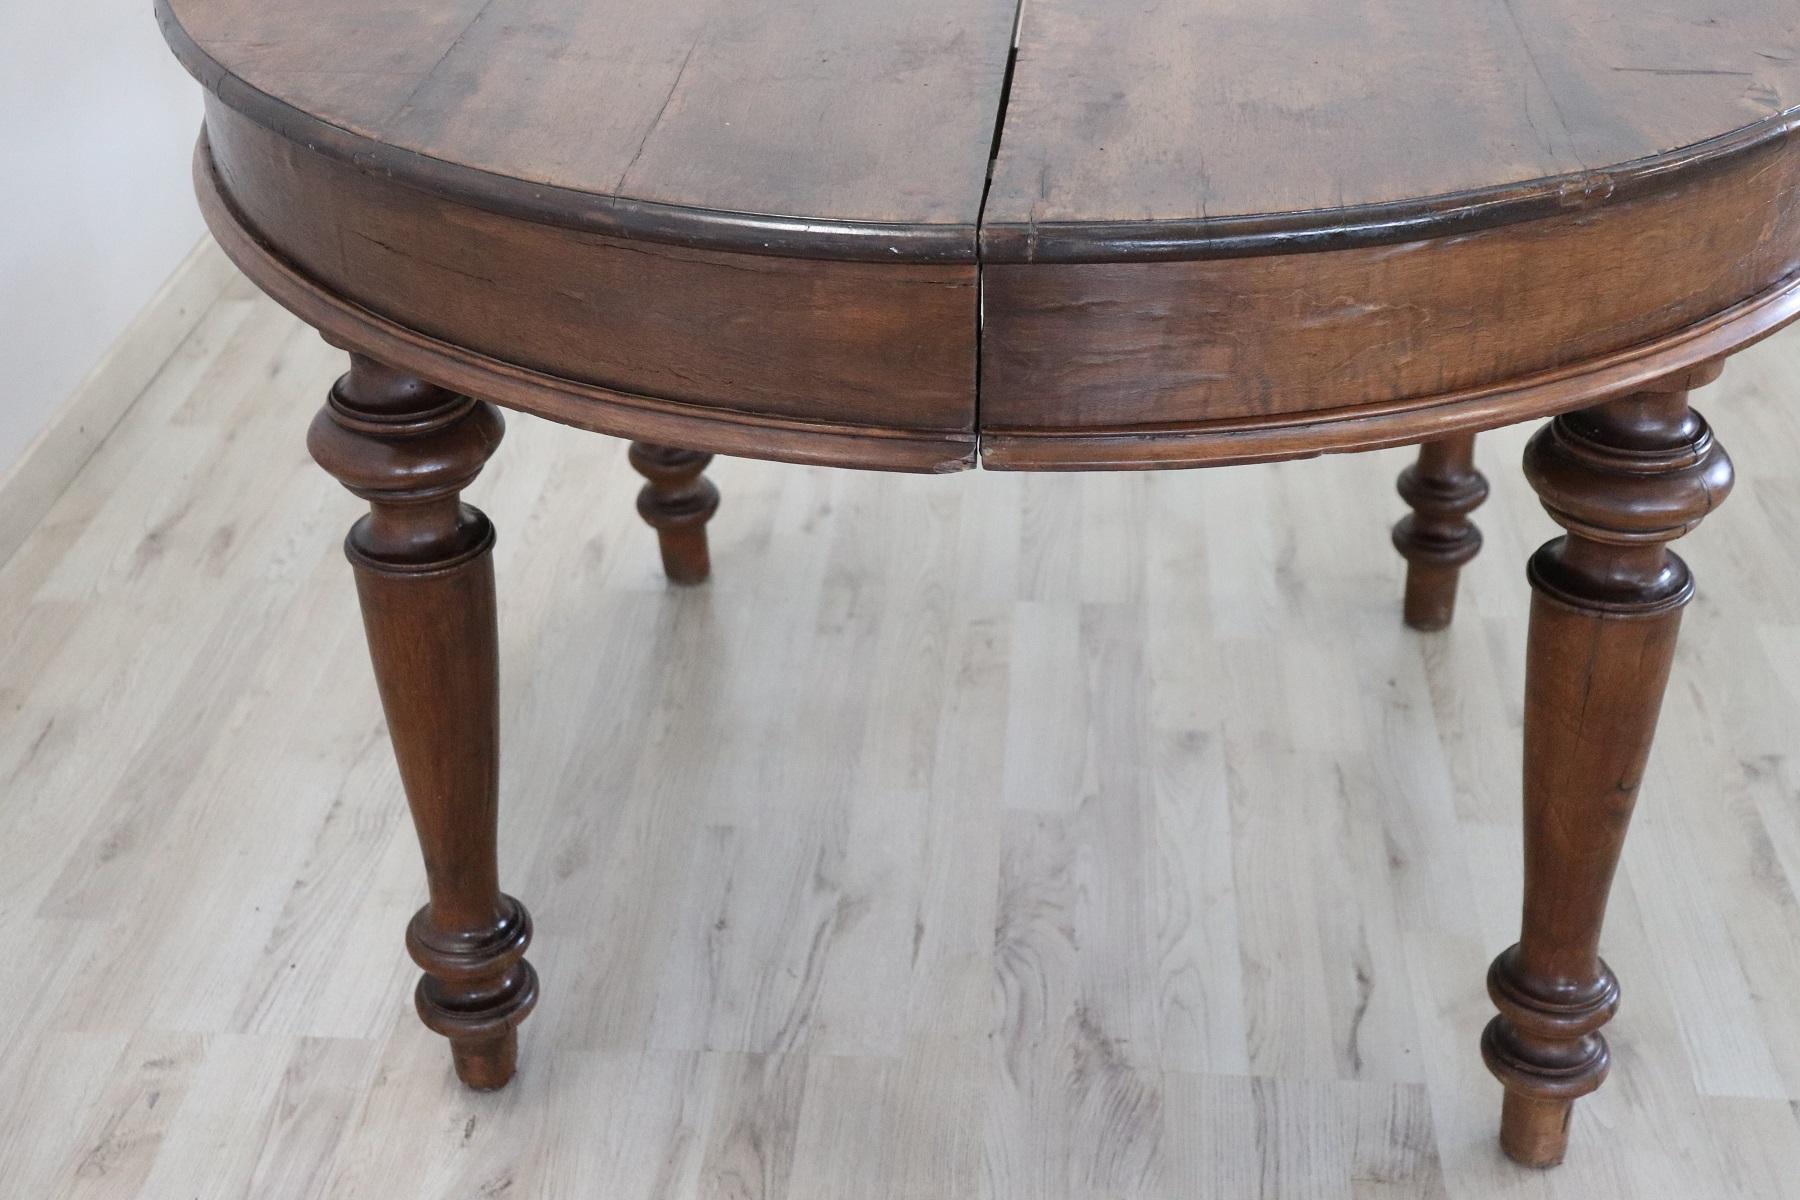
x=97, y=122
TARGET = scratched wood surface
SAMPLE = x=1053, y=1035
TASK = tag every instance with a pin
x=857, y=110
x=1012, y=837
x=1200, y=109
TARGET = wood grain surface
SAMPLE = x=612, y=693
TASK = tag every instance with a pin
x=1212, y=232
x=888, y=346
x=1189, y=113
x=1160, y=345
x=1143, y=856
x=839, y=113
x=1220, y=232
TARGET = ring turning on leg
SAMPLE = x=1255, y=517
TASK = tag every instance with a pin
x=1624, y=479
x=678, y=502
x=1437, y=538
x=425, y=576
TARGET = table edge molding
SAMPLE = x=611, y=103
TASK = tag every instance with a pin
x=1377, y=224
x=572, y=208
x=985, y=240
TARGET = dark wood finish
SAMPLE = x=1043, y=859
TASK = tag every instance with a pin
x=867, y=348
x=1235, y=234
x=1254, y=288
x=585, y=406
x=1187, y=354
x=843, y=130
x=1214, y=233
x=1193, y=129
x=1351, y=427
x=425, y=576
x=677, y=501
x=1624, y=479
x=1437, y=538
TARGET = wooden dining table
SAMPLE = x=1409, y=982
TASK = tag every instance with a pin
x=1025, y=235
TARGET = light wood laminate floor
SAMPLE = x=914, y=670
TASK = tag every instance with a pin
x=994, y=836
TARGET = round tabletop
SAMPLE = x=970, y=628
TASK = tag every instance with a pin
x=1065, y=234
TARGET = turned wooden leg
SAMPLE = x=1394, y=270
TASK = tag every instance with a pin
x=1624, y=479
x=425, y=575
x=678, y=501
x=1437, y=537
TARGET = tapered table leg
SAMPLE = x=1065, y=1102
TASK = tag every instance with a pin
x=677, y=501
x=1624, y=479
x=425, y=576
x=1437, y=539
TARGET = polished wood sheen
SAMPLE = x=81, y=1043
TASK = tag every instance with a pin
x=1437, y=539
x=1624, y=479
x=425, y=574
x=677, y=502
x=1058, y=236
x=1085, y=364
x=796, y=349
x=827, y=297
x=803, y=263
x=1266, y=230
x=847, y=129
x=1396, y=112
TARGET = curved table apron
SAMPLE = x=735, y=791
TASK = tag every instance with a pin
x=1079, y=370
x=915, y=237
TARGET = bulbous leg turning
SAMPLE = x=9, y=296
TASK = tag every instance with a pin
x=425, y=576
x=677, y=502
x=475, y=992
x=1437, y=538
x=1624, y=479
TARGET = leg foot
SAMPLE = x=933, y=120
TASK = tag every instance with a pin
x=487, y=1066
x=1535, y=1133
x=1437, y=538
x=678, y=502
x=1624, y=479
x=425, y=576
